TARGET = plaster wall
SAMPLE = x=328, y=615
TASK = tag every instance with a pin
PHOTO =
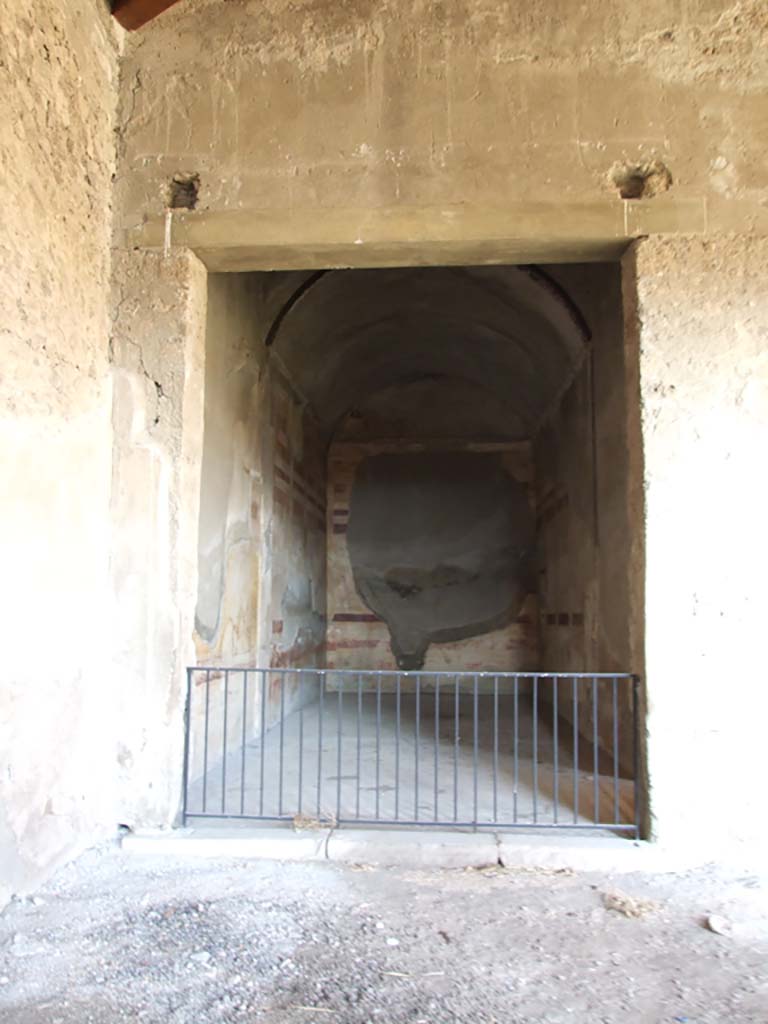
x=415, y=127
x=261, y=545
x=262, y=514
x=583, y=466
x=58, y=80
x=697, y=325
x=229, y=553
x=295, y=533
x=158, y=358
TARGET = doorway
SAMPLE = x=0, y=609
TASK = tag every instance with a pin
x=414, y=511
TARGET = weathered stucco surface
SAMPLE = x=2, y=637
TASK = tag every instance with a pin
x=158, y=355
x=583, y=468
x=697, y=319
x=58, y=68
x=293, y=528
x=413, y=127
x=261, y=544
x=262, y=515
x=229, y=569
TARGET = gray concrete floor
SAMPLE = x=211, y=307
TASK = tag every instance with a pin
x=351, y=761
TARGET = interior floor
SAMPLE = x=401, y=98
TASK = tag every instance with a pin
x=357, y=760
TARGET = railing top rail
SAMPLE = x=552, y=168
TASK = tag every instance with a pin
x=413, y=673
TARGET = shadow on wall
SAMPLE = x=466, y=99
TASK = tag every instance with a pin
x=441, y=546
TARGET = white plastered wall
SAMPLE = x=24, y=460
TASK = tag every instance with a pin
x=58, y=66
x=158, y=352
x=697, y=320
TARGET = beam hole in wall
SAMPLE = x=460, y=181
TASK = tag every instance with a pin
x=183, y=191
x=641, y=180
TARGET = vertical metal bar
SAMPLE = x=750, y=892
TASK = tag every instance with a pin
x=475, y=746
x=456, y=750
x=636, y=752
x=243, y=741
x=535, y=749
x=321, y=704
x=187, y=727
x=224, y=744
x=614, y=714
x=339, y=714
x=378, y=743
x=263, y=738
x=205, y=737
x=416, y=750
x=515, y=755
x=397, y=747
x=282, y=745
x=595, y=755
x=555, y=741
x=575, y=696
x=359, y=717
x=301, y=757
x=495, y=748
x=437, y=742
x=593, y=447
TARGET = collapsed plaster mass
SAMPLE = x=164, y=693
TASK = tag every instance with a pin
x=441, y=546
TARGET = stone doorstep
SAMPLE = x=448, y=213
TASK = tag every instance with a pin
x=402, y=848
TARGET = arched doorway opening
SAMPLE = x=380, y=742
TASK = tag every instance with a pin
x=413, y=527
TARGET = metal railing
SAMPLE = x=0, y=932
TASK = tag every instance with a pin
x=466, y=749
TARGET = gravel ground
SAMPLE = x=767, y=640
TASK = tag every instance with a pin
x=114, y=938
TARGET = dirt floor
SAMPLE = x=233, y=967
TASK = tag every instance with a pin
x=119, y=938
